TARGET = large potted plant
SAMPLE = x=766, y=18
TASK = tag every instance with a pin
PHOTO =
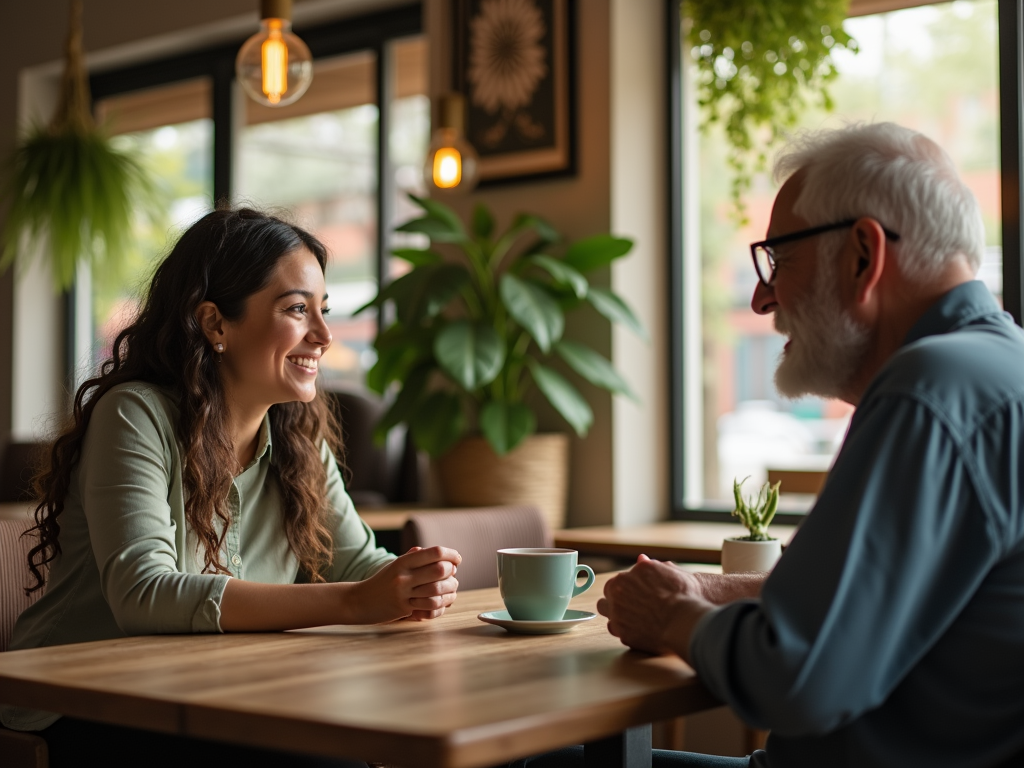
x=474, y=331
x=756, y=551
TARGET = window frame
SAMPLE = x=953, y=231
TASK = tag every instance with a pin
x=1010, y=15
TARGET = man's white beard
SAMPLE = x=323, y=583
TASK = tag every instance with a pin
x=827, y=346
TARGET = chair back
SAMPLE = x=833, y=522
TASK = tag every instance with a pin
x=477, y=534
x=18, y=465
x=14, y=575
x=375, y=475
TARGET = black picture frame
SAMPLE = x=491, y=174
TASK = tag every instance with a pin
x=520, y=107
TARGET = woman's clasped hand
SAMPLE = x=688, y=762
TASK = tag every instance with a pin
x=419, y=585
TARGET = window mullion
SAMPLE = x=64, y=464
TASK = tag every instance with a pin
x=385, y=177
x=223, y=128
x=1011, y=77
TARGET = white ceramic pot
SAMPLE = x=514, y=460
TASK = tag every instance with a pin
x=739, y=556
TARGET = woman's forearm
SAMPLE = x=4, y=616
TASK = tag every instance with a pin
x=248, y=606
x=420, y=584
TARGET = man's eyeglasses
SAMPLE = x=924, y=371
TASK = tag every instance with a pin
x=763, y=252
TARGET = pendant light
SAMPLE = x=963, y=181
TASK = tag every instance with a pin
x=274, y=66
x=452, y=165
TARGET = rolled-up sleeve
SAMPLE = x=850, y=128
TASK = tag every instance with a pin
x=877, y=573
x=125, y=477
x=356, y=554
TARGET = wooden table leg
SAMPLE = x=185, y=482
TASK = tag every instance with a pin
x=629, y=749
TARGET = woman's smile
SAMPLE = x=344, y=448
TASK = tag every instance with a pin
x=272, y=353
x=307, y=364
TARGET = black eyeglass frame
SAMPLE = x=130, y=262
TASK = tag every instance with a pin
x=769, y=244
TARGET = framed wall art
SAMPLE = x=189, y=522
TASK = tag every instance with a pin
x=514, y=63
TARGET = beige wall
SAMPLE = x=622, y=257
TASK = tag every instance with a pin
x=619, y=470
x=639, y=174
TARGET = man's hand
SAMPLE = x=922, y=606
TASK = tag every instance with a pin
x=654, y=607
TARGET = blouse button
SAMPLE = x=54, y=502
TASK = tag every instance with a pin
x=236, y=559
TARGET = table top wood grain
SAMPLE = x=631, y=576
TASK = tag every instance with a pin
x=680, y=541
x=451, y=693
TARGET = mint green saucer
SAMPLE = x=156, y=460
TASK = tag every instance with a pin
x=567, y=622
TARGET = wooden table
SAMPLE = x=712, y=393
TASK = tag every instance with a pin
x=678, y=541
x=452, y=693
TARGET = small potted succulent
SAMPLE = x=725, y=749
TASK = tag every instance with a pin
x=757, y=551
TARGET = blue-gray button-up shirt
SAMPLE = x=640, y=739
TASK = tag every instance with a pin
x=891, y=632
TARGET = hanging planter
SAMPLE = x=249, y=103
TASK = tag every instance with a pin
x=72, y=195
x=759, y=64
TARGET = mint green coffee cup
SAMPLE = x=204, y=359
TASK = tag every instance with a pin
x=537, y=583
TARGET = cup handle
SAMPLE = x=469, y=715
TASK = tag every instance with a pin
x=578, y=589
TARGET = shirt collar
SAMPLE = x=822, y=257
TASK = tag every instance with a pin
x=264, y=443
x=960, y=306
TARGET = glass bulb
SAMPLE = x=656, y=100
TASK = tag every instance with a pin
x=447, y=167
x=274, y=66
x=452, y=163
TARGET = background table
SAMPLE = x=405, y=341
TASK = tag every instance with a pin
x=16, y=511
x=452, y=693
x=678, y=541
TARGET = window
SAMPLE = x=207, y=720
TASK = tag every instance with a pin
x=329, y=161
x=172, y=128
x=933, y=68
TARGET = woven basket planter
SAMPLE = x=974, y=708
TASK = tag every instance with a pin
x=536, y=472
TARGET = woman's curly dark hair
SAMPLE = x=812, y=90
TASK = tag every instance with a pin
x=225, y=257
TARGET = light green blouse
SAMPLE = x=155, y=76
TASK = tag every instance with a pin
x=129, y=563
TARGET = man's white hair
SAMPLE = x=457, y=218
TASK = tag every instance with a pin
x=897, y=176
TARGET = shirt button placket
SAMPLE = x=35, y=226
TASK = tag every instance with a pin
x=234, y=537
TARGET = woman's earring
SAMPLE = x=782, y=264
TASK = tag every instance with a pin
x=220, y=349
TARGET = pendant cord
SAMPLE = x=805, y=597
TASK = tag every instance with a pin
x=73, y=113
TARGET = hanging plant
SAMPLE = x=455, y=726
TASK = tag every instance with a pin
x=71, y=193
x=759, y=64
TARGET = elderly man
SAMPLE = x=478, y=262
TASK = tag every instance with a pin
x=891, y=632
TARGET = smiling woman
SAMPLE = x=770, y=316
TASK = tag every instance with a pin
x=196, y=488
x=270, y=354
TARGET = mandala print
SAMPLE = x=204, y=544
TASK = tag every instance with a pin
x=507, y=62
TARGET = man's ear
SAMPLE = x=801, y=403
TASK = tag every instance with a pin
x=211, y=322
x=869, y=257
